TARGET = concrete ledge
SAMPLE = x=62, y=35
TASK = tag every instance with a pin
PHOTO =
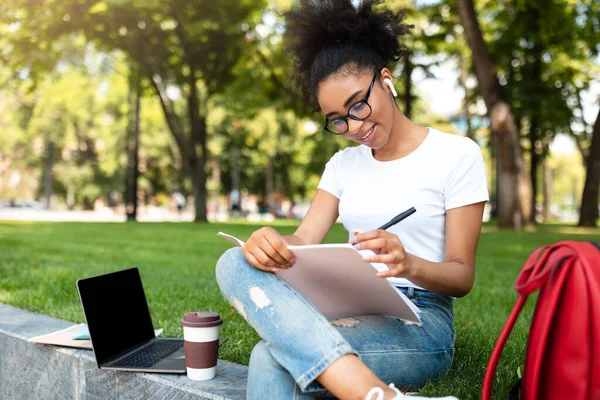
x=34, y=371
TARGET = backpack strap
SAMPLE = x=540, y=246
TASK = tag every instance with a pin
x=537, y=269
x=490, y=372
x=534, y=274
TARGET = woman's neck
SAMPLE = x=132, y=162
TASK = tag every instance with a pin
x=405, y=137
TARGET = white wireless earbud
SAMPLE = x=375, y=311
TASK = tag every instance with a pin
x=388, y=82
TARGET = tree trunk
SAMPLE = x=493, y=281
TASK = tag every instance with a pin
x=134, y=150
x=189, y=145
x=535, y=131
x=548, y=191
x=408, y=97
x=197, y=161
x=589, y=200
x=535, y=161
x=198, y=178
x=493, y=173
x=467, y=102
x=48, y=176
x=514, y=188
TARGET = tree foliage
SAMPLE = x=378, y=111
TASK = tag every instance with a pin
x=217, y=102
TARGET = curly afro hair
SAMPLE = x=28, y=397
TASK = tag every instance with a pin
x=332, y=36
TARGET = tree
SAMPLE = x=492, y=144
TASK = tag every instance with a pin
x=63, y=119
x=513, y=193
x=78, y=110
x=191, y=46
x=589, y=201
x=264, y=121
x=186, y=49
x=544, y=52
x=441, y=35
x=444, y=40
x=132, y=145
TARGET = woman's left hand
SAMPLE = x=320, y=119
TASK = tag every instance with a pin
x=388, y=250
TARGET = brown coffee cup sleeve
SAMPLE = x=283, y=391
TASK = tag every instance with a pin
x=201, y=354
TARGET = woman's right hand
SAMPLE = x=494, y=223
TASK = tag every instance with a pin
x=266, y=250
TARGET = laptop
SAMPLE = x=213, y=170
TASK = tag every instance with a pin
x=118, y=318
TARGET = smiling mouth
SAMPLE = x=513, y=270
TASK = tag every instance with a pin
x=368, y=134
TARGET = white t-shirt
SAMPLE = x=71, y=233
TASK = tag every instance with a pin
x=446, y=171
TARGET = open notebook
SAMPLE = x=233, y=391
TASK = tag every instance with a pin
x=340, y=284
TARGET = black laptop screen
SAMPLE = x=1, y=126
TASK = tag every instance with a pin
x=116, y=312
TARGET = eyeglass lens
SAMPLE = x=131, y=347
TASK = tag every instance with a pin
x=359, y=111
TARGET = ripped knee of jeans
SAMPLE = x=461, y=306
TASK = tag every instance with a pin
x=239, y=307
x=259, y=297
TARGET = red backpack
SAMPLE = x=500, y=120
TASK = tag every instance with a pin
x=563, y=349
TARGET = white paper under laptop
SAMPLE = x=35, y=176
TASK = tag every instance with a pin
x=340, y=284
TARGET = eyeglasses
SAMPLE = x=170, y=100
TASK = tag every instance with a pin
x=359, y=111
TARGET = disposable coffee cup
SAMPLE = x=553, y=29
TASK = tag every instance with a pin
x=201, y=344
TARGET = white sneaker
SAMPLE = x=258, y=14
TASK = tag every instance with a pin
x=379, y=393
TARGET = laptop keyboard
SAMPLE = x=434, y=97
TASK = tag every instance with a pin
x=149, y=355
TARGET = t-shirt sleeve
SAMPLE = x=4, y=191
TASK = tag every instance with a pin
x=467, y=183
x=330, y=181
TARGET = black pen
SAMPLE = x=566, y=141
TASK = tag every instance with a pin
x=398, y=218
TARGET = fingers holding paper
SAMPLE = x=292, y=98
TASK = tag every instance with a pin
x=266, y=250
x=388, y=250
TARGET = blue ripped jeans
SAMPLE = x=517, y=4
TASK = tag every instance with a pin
x=298, y=343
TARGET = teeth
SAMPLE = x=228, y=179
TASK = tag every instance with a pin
x=367, y=134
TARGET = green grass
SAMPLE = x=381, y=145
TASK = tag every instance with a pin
x=40, y=262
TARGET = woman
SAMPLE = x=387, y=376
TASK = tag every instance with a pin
x=341, y=53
